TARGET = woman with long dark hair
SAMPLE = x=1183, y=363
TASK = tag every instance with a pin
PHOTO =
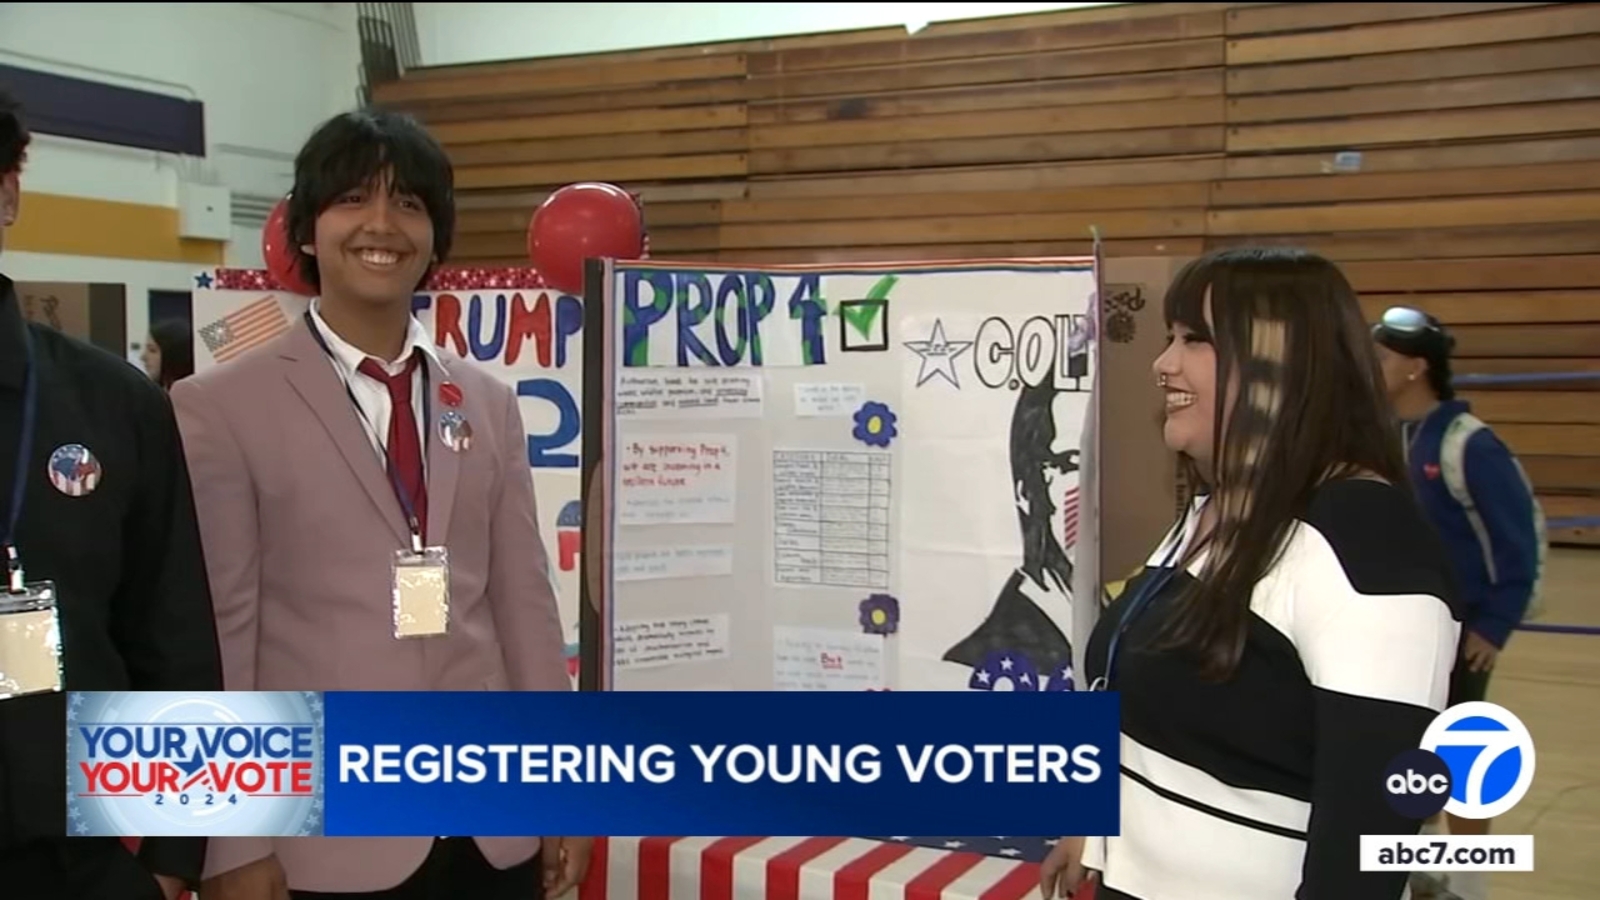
x=1295, y=630
x=169, y=352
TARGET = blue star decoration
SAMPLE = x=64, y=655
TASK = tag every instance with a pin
x=875, y=424
x=1061, y=679
x=571, y=515
x=203, y=280
x=1005, y=666
x=1019, y=671
x=191, y=765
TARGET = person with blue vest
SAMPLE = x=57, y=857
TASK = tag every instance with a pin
x=1474, y=490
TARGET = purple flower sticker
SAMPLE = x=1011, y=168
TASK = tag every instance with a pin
x=880, y=614
x=875, y=424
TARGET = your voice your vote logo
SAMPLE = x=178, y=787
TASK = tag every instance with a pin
x=163, y=764
x=1476, y=761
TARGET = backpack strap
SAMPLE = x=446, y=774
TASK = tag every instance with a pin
x=1453, y=457
x=1453, y=466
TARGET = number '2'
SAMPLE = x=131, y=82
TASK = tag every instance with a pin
x=568, y=424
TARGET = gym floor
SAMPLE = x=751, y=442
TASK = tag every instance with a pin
x=1552, y=682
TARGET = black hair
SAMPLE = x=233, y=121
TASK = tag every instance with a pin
x=14, y=135
x=1310, y=407
x=1433, y=346
x=352, y=150
x=1439, y=375
x=175, y=337
x=1033, y=432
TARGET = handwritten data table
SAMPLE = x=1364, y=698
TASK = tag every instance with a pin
x=831, y=518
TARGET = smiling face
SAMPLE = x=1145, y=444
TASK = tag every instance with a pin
x=373, y=207
x=373, y=244
x=1188, y=366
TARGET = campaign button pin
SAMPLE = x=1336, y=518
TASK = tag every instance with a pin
x=449, y=394
x=74, y=471
x=455, y=431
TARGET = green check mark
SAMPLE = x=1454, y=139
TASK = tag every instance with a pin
x=863, y=313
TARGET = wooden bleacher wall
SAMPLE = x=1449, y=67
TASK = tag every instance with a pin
x=1446, y=154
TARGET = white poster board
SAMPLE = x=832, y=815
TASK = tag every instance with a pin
x=845, y=478
x=504, y=320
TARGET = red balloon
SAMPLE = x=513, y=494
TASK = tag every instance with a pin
x=283, y=262
x=582, y=221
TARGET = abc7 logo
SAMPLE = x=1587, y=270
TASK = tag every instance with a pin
x=1476, y=762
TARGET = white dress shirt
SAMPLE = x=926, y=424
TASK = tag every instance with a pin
x=373, y=396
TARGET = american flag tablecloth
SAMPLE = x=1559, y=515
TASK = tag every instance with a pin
x=815, y=868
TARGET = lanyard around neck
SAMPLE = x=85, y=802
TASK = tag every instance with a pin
x=412, y=522
x=1148, y=589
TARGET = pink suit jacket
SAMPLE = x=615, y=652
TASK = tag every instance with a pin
x=300, y=525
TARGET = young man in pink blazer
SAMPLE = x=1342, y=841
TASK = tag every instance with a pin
x=334, y=464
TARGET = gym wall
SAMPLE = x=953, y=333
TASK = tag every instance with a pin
x=1446, y=154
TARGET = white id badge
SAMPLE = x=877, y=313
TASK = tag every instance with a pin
x=30, y=641
x=421, y=592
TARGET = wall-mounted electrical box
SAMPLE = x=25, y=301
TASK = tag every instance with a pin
x=205, y=212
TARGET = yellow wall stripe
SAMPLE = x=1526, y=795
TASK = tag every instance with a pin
x=83, y=226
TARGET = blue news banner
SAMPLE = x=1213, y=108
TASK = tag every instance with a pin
x=603, y=763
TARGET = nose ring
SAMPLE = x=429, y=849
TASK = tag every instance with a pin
x=1161, y=380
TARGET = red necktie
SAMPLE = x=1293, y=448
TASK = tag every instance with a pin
x=404, y=445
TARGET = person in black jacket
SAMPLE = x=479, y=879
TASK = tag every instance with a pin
x=117, y=535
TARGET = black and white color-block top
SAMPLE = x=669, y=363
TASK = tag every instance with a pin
x=1259, y=788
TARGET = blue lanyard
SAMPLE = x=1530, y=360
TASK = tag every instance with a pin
x=427, y=413
x=30, y=411
x=1147, y=592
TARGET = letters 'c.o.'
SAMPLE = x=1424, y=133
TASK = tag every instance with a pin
x=1040, y=351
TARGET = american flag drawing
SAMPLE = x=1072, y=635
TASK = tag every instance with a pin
x=248, y=326
x=1069, y=518
x=816, y=868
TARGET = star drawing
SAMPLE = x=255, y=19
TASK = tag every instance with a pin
x=938, y=355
